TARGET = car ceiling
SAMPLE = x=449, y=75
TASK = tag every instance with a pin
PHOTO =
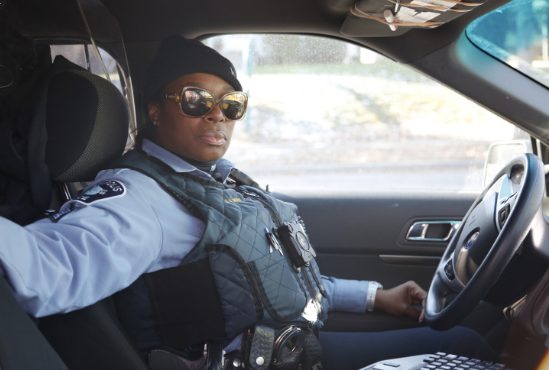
x=143, y=23
x=147, y=21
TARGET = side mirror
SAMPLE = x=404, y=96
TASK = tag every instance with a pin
x=500, y=153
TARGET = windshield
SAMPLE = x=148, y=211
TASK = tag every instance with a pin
x=516, y=34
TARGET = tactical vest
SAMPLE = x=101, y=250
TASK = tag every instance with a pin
x=233, y=279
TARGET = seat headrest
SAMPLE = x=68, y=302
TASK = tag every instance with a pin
x=86, y=123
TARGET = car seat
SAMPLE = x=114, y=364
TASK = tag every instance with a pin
x=83, y=121
x=87, y=127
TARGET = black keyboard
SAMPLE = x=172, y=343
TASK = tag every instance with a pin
x=438, y=361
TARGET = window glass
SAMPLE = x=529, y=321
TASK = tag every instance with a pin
x=329, y=116
x=84, y=56
x=106, y=67
x=517, y=34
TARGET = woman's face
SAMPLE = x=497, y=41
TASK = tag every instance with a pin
x=202, y=139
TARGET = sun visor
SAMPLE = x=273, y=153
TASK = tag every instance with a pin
x=379, y=18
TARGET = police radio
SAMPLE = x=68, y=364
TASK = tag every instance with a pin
x=295, y=240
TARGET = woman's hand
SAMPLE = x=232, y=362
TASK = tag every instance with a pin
x=405, y=299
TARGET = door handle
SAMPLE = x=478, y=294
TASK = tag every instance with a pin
x=432, y=231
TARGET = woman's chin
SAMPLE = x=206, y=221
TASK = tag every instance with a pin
x=212, y=153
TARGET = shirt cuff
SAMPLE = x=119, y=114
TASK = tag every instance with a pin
x=346, y=295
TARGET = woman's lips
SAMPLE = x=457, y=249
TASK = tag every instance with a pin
x=215, y=138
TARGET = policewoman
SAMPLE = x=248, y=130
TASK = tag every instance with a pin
x=195, y=249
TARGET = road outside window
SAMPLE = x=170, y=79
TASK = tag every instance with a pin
x=326, y=116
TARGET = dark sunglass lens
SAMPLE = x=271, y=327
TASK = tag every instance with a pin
x=234, y=106
x=196, y=102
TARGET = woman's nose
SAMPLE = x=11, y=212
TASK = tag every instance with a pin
x=215, y=115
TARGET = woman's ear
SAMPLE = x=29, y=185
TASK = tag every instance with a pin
x=153, y=109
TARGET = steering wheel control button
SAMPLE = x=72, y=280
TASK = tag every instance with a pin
x=449, y=271
x=503, y=214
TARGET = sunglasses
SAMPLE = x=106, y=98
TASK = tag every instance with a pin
x=197, y=102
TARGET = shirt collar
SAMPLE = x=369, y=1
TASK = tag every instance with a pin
x=177, y=163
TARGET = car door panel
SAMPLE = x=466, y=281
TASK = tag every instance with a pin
x=364, y=237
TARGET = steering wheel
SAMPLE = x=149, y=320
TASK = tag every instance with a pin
x=488, y=237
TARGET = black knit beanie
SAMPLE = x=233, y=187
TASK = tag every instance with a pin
x=178, y=56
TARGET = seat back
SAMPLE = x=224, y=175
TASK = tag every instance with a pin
x=22, y=67
x=92, y=338
x=22, y=347
x=87, y=126
x=79, y=124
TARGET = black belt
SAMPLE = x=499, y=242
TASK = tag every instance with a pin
x=292, y=347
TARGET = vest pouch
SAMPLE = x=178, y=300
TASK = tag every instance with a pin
x=281, y=289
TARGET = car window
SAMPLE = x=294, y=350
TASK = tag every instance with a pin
x=329, y=116
x=517, y=34
x=84, y=56
x=106, y=66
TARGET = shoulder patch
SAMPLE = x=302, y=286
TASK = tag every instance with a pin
x=101, y=191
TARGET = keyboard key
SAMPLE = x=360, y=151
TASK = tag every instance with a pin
x=391, y=364
x=462, y=358
x=450, y=357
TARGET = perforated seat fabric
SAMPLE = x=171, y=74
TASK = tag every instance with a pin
x=86, y=124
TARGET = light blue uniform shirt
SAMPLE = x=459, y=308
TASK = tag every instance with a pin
x=100, y=247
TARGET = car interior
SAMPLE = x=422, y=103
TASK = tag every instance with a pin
x=61, y=123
